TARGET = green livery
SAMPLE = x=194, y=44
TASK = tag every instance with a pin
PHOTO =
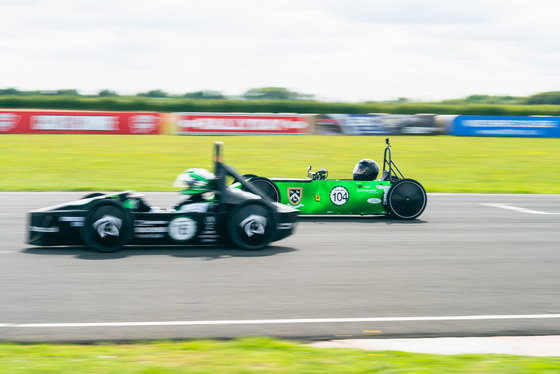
x=391, y=194
x=333, y=196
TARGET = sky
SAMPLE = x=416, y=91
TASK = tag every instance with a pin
x=349, y=51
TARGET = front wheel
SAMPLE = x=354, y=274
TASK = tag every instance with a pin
x=252, y=226
x=107, y=227
x=406, y=199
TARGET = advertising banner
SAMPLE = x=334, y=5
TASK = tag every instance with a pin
x=241, y=123
x=548, y=127
x=377, y=124
x=79, y=122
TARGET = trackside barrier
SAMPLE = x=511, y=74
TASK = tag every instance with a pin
x=544, y=127
x=81, y=122
x=189, y=123
x=241, y=123
x=377, y=124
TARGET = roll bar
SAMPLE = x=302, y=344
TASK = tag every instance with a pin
x=221, y=171
x=389, y=166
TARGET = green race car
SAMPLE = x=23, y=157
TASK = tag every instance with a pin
x=391, y=194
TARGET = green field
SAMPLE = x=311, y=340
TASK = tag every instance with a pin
x=151, y=163
x=250, y=355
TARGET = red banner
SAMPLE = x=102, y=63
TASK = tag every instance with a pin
x=232, y=123
x=79, y=122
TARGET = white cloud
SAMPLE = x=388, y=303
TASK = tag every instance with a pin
x=349, y=50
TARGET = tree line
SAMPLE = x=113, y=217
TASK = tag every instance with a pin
x=281, y=93
x=265, y=93
x=282, y=101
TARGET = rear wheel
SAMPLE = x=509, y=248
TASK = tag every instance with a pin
x=107, y=227
x=406, y=199
x=267, y=186
x=246, y=177
x=252, y=226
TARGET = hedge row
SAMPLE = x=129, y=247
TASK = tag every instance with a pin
x=258, y=106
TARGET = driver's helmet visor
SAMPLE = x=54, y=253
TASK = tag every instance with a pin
x=361, y=169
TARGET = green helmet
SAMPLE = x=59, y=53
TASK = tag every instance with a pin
x=195, y=181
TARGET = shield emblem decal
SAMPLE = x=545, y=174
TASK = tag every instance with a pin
x=294, y=194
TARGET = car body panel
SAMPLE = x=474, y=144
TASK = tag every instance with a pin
x=333, y=196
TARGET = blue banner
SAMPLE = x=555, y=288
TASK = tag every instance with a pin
x=536, y=127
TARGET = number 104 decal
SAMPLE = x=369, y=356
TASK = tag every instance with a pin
x=339, y=195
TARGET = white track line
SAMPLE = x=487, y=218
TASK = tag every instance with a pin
x=281, y=321
x=517, y=208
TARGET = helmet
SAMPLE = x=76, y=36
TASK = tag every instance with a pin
x=195, y=181
x=365, y=170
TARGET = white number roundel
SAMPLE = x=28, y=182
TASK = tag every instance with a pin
x=182, y=228
x=339, y=195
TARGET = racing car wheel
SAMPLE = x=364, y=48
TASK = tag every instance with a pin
x=406, y=199
x=107, y=226
x=267, y=186
x=252, y=225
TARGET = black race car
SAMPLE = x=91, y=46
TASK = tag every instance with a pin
x=106, y=222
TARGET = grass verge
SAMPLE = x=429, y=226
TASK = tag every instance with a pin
x=150, y=163
x=249, y=355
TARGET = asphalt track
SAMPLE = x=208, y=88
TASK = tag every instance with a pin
x=471, y=265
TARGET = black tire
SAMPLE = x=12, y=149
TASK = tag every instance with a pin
x=107, y=227
x=252, y=226
x=406, y=199
x=268, y=187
